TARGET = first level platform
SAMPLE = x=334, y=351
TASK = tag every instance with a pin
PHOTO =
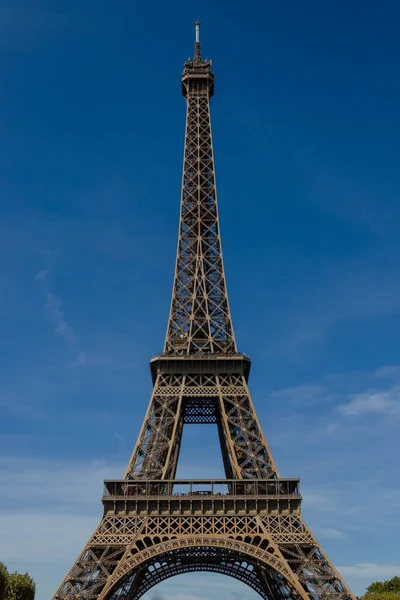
x=202, y=497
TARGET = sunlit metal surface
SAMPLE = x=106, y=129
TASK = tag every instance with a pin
x=247, y=526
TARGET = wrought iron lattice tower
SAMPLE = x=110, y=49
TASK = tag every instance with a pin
x=249, y=525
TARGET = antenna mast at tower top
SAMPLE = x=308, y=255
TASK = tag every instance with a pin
x=197, y=43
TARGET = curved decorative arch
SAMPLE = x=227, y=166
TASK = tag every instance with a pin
x=163, y=568
x=237, y=559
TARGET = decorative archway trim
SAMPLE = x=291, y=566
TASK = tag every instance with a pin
x=130, y=562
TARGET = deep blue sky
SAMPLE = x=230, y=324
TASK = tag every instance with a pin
x=307, y=141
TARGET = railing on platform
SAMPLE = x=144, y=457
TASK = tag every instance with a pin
x=197, y=488
x=200, y=354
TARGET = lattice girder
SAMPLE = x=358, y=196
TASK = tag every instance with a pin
x=252, y=529
x=199, y=318
x=244, y=448
x=123, y=545
x=208, y=560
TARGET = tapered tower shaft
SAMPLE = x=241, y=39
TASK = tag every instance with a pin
x=199, y=318
x=200, y=378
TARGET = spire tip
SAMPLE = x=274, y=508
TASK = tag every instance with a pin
x=197, y=26
x=197, y=44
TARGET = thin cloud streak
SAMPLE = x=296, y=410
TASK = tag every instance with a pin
x=337, y=297
x=69, y=486
x=330, y=533
x=60, y=324
x=389, y=372
x=378, y=402
x=300, y=395
x=370, y=571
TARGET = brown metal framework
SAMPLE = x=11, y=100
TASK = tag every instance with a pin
x=247, y=526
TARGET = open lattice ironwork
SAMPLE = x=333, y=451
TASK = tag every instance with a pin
x=249, y=525
x=200, y=319
x=203, y=398
x=267, y=582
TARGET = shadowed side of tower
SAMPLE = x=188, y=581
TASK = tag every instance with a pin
x=247, y=526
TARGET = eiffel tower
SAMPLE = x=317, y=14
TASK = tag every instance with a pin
x=247, y=526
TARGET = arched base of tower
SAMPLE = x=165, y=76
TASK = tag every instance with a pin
x=266, y=581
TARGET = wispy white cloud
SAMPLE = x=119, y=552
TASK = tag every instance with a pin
x=49, y=509
x=66, y=485
x=344, y=476
x=370, y=571
x=350, y=504
x=341, y=294
x=388, y=372
x=61, y=327
x=378, y=402
x=19, y=407
x=338, y=397
x=329, y=533
x=32, y=538
x=305, y=393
